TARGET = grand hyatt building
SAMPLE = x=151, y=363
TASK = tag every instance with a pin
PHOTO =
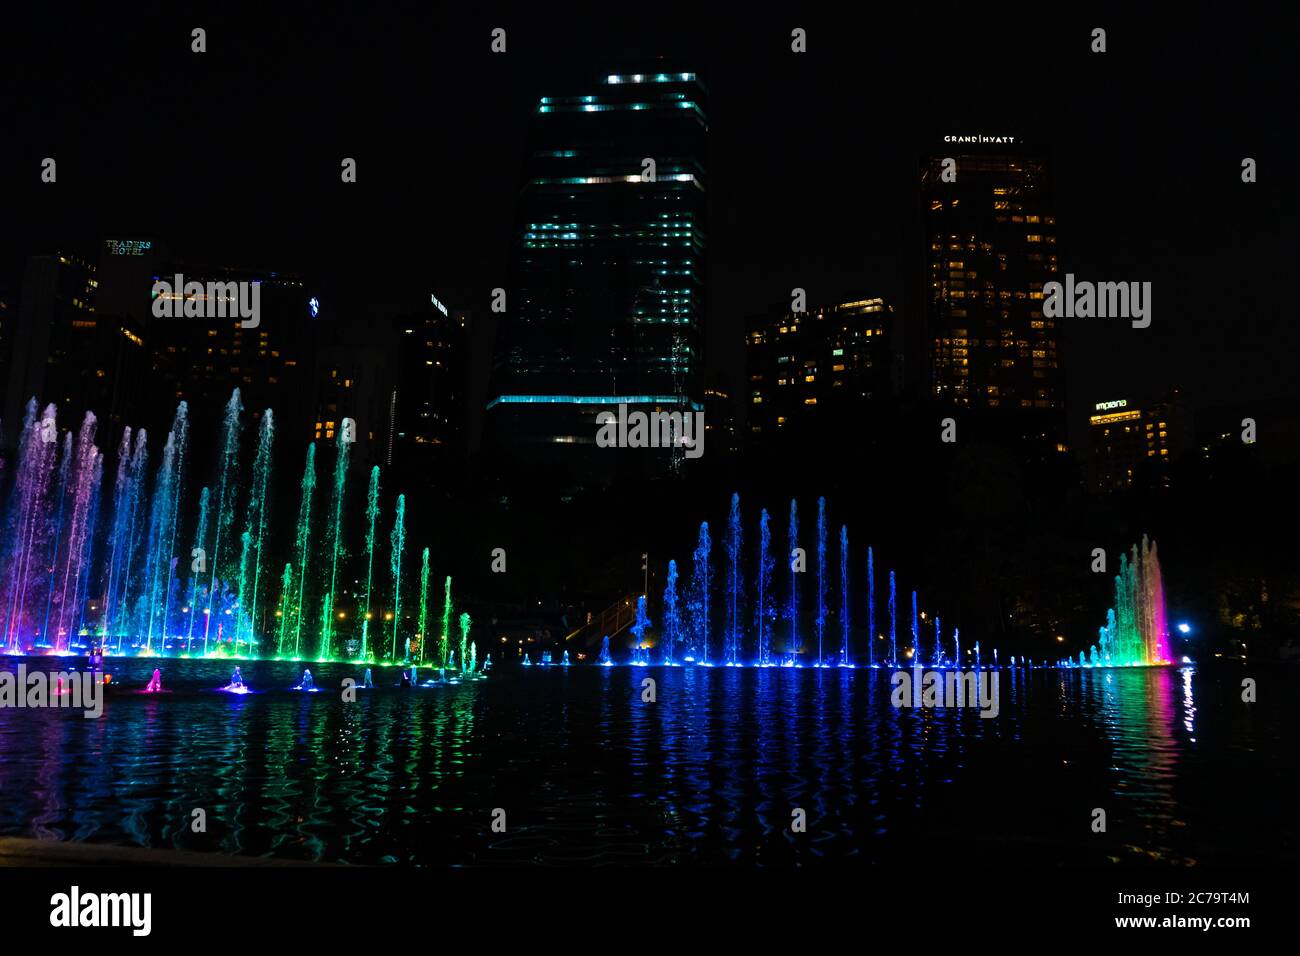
x=989, y=247
x=605, y=302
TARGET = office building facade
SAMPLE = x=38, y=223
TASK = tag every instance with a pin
x=605, y=302
x=989, y=248
x=817, y=372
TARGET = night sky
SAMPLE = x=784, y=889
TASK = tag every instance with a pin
x=234, y=154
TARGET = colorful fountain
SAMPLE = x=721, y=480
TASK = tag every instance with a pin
x=1137, y=629
x=141, y=567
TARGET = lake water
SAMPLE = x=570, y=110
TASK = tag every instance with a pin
x=709, y=773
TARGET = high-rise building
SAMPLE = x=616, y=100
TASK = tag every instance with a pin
x=354, y=380
x=203, y=359
x=1134, y=445
x=990, y=247
x=65, y=350
x=816, y=372
x=8, y=329
x=429, y=411
x=605, y=303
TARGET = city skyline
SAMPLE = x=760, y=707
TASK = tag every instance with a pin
x=712, y=441
x=1112, y=216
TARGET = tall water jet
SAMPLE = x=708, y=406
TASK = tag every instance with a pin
x=464, y=636
x=734, y=582
x=117, y=532
x=871, y=608
x=302, y=543
x=893, y=622
x=444, y=641
x=37, y=452
x=286, y=596
x=245, y=546
x=179, y=438
x=700, y=590
x=255, y=522
x=82, y=586
x=424, y=603
x=82, y=490
x=398, y=542
x=766, y=565
x=820, y=620
x=134, y=531
x=372, y=516
x=672, y=615
x=640, y=624
x=844, y=596
x=60, y=498
x=29, y=515
x=158, y=555
x=335, y=537
x=916, y=632
x=197, y=566
x=796, y=565
x=226, y=491
x=1158, y=623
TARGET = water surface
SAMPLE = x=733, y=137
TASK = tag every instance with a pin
x=710, y=773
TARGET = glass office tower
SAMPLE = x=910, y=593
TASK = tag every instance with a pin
x=605, y=302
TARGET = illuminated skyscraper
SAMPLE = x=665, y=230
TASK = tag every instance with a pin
x=819, y=373
x=605, y=302
x=1134, y=445
x=990, y=246
x=66, y=350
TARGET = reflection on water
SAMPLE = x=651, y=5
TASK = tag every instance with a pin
x=709, y=773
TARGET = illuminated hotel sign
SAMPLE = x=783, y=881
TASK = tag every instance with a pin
x=980, y=138
x=1106, y=406
x=438, y=305
x=128, y=247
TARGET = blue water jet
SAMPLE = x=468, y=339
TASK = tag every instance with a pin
x=766, y=613
x=792, y=600
x=735, y=584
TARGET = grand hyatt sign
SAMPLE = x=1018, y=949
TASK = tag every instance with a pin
x=981, y=138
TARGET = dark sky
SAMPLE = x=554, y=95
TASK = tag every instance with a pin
x=234, y=154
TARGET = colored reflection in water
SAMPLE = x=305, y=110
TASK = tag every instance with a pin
x=710, y=772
